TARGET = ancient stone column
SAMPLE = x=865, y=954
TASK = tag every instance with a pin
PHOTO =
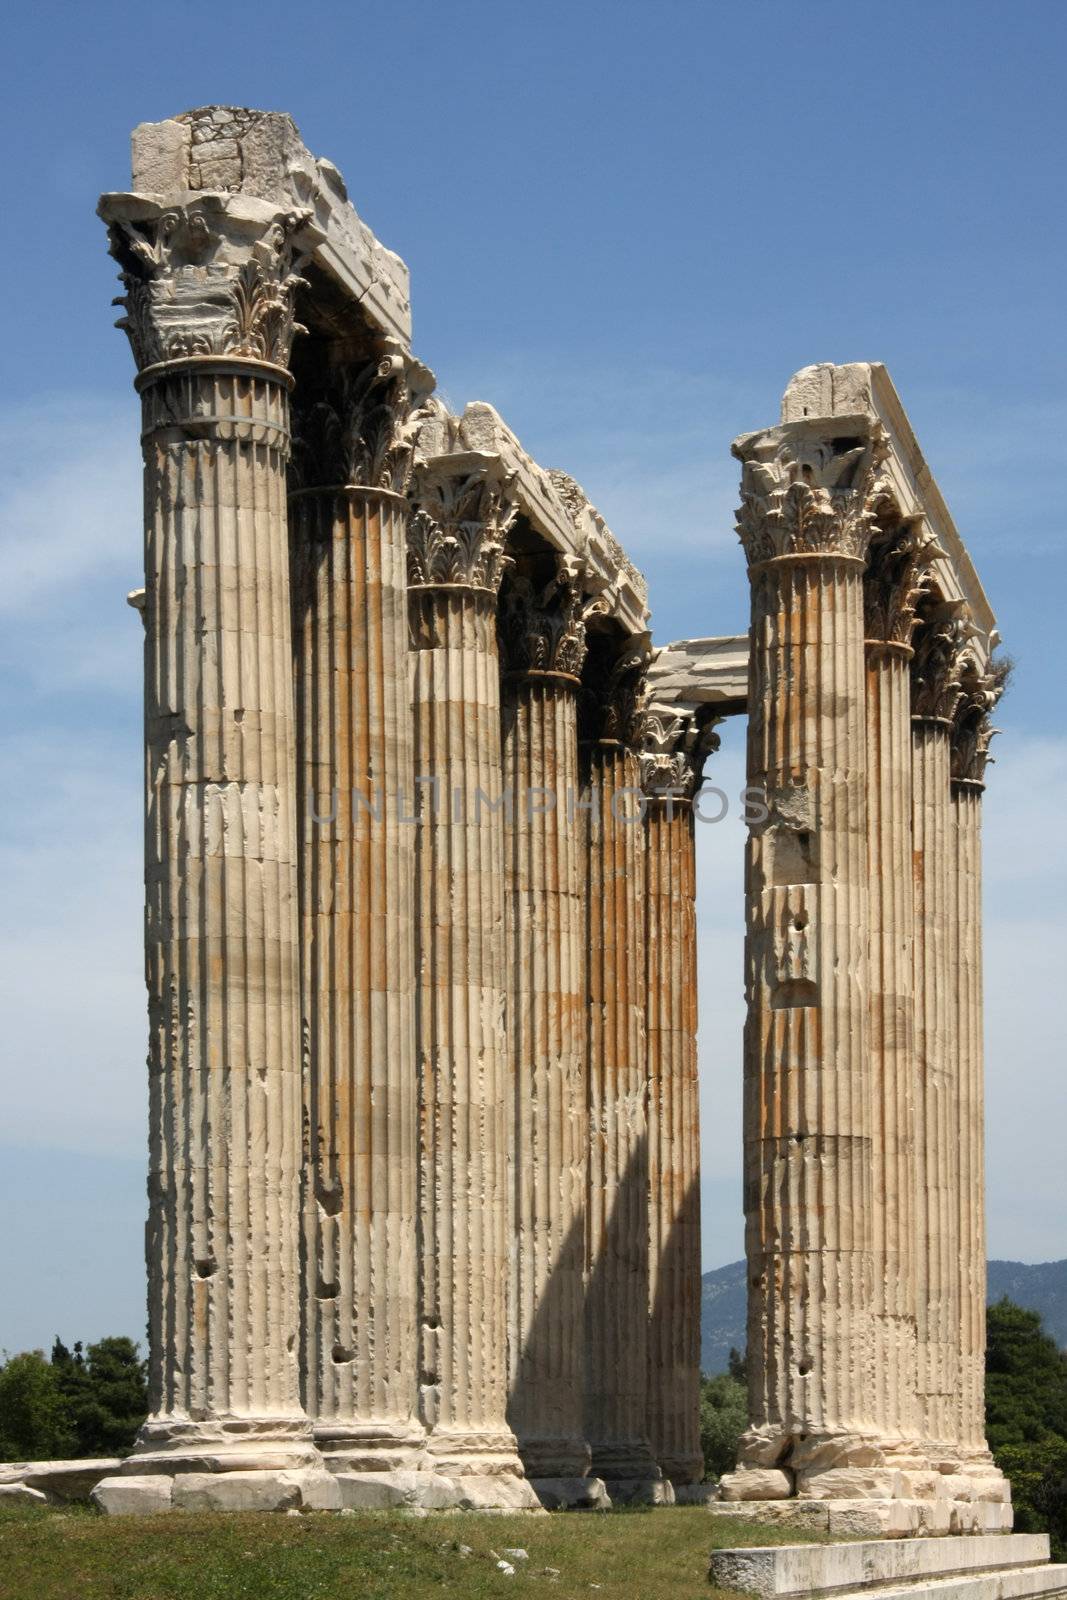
x=805, y=522
x=672, y=757
x=455, y=563
x=617, y=1238
x=971, y=737
x=208, y=309
x=357, y=860
x=897, y=557
x=544, y=632
x=935, y=694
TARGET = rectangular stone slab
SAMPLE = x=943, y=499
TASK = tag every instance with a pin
x=871, y=1566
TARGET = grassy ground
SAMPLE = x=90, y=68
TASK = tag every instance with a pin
x=75, y=1554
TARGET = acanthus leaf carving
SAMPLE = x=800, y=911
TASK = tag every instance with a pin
x=544, y=630
x=803, y=495
x=189, y=290
x=674, y=748
x=457, y=532
x=972, y=729
x=892, y=582
x=364, y=432
x=940, y=640
x=616, y=693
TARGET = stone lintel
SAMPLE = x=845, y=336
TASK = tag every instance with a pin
x=245, y=159
x=554, y=505
x=825, y=391
x=691, y=674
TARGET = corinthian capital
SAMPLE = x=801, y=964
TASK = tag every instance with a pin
x=616, y=692
x=941, y=638
x=674, y=748
x=458, y=530
x=363, y=429
x=209, y=278
x=806, y=492
x=892, y=582
x=543, y=630
x=972, y=729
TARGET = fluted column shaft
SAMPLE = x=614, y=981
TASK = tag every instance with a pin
x=617, y=1216
x=355, y=755
x=546, y=1030
x=674, y=1140
x=938, y=1130
x=967, y=877
x=461, y=982
x=221, y=928
x=808, y=1100
x=892, y=1045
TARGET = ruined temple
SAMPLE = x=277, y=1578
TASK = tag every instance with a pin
x=420, y=928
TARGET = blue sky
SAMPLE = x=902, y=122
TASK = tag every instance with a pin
x=627, y=225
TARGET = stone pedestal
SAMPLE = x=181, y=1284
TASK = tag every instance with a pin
x=545, y=639
x=455, y=564
x=805, y=524
x=616, y=1383
x=355, y=759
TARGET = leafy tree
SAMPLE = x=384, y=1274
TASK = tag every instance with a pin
x=1026, y=1419
x=723, y=1416
x=106, y=1394
x=1026, y=1379
x=34, y=1421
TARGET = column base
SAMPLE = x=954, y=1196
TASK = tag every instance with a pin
x=631, y=1475
x=172, y=1445
x=901, y=1518
x=459, y=1451
x=683, y=1471
x=371, y=1447
x=571, y=1493
x=544, y=1457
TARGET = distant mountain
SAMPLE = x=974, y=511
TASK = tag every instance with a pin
x=722, y=1315
x=1040, y=1288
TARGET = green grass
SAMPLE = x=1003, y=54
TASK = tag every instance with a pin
x=75, y=1554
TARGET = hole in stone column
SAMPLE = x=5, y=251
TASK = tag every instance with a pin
x=239, y=714
x=327, y=1291
x=330, y=1196
x=290, y=1343
x=800, y=921
x=343, y=1353
x=804, y=1367
x=206, y=1266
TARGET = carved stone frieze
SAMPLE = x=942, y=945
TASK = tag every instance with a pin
x=972, y=729
x=197, y=286
x=544, y=630
x=674, y=747
x=802, y=494
x=364, y=431
x=458, y=530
